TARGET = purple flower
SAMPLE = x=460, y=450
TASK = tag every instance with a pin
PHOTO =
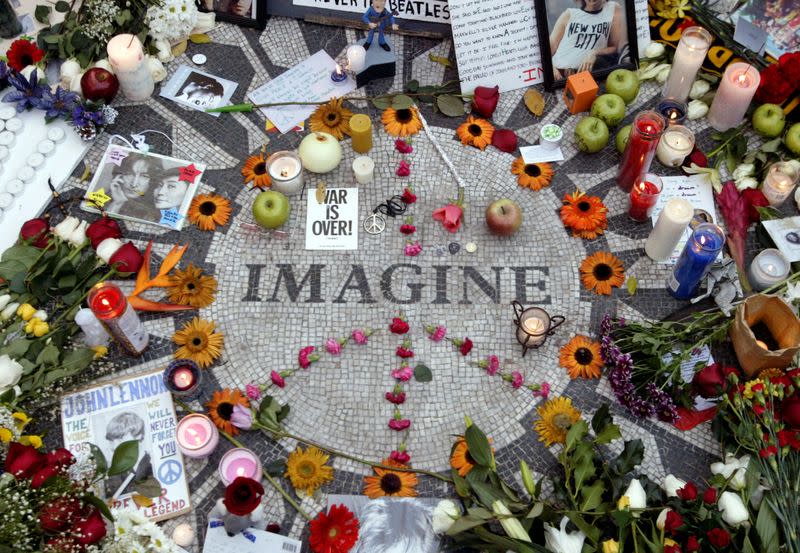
x=403, y=373
x=82, y=117
x=27, y=92
x=492, y=365
x=252, y=391
x=399, y=425
x=242, y=417
x=58, y=103
x=359, y=337
x=516, y=379
x=333, y=346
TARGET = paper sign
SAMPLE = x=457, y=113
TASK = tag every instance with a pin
x=434, y=11
x=248, y=541
x=642, y=26
x=540, y=154
x=170, y=217
x=750, y=36
x=332, y=224
x=695, y=189
x=786, y=235
x=308, y=81
x=496, y=44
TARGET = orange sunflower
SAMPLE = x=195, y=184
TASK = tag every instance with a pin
x=208, y=211
x=475, y=132
x=191, y=287
x=585, y=215
x=390, y=483
x=581, y=357
x=601, y=271
x=460, y=459
x=532, y=175
x=401, y=122
x=255, y=170
x=220, y=408
x=331, y=118
x=198, y=341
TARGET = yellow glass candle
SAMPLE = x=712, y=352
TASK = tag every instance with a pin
x=361, y=133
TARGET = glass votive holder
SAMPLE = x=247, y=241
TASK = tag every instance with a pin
x=643, y=197
x=779, y=183
x=184, y=379
x=673, y=110
x=675, y=144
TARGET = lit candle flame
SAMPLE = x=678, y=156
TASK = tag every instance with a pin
x=338, y=69
x=194, y=436
x=239, y=471
x=284, y=172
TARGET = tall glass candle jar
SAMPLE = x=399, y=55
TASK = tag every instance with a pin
x=644, y=196
x=698, y=255
x=736, y=90
x=779, y=183
x=689, y=56
x=126, y=56
x=642, y=143
x=111, y=307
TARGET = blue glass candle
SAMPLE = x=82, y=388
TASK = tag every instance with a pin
x=698, y=254
x=184, y=379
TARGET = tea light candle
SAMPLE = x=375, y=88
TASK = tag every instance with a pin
x=689, y=56
x=286, y=172
x=239, y=462
x=644, y=196
x=183, y=378
x=669, y=228
x=356, y=57
x=550, y=136
x=673, y=110
x=675, y=144
x=197, y=436
x=126, y=56
x=769, y=268
x=361, y=133
x=338, y=76
x=537, y=328
x=364, y=169
x=779, y=183
x=698, y=255
x=733, y=97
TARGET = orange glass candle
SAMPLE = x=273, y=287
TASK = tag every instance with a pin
x=361, y=133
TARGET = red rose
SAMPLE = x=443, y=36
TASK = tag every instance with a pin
x=408, y=196
x=719, y=537
x=774, y=88
x=710, y=381
x=692, y=545
x=60, y=458
x=36, y=231
x=398, y=326
x=101, y=229
x=43, y=475
x=127, y=259
x=484, y=101
x=672, y=522
x=790, y=411
x=790, y=66
x=23, y=461
x=408, y=228
x=504, y=140
x=710, y=496
x=688, y=492
x=753, y=198
x=400, y=456
x=59, y=514
x=450, y=216
x=697, y=157
x=242, y=496
x=465, y=347
x=90, y=529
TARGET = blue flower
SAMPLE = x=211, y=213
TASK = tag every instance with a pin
x=58, y=103
x=27, y=93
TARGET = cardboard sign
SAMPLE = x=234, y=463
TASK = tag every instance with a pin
x=332, y=224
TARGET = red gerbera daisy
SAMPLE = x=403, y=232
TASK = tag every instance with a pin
x=336, y=532
x=22, y=54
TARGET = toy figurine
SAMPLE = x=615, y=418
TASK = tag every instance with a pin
x=378, y=17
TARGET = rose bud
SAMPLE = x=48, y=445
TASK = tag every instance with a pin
x=23, y=461
x=91, y=529
x=66, y=227
x=484, y=101
x=59, y=514
x=101, y=229
x=127, y=259
x=790, y=411
x=710, y=381
x=36, y=231
x=504, y=140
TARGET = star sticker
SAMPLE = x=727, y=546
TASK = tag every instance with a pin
x=99, y=197
x=189, y=173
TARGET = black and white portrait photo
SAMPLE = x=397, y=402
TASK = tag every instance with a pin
x=250, y=13
x=144, y=187
x=113, y=428
x=585, y=35
x=198, y=90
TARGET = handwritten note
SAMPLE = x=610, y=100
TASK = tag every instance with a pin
x=642, y=26
x=308, y=81
x=496, y=44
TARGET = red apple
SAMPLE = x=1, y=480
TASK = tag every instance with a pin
x=503, y=217
x=99, y=84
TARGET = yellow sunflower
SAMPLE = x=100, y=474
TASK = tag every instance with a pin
x=198, y=342
x=460, y=459
x=401, y=122
x=390, y=483
x=307, y=469
x=220, y=408
x=585, y=215
x=556, y=416
x=255, y=171
x=581, y=357
x=601, y=271
x=475, y=132
x=192, y=287
x=532, y=175
x=331, y=118
x=209, y=210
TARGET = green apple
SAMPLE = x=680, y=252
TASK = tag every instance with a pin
x=792, y=139
x=271, y=209
x=624, y=83
x=591, y=134
x=610, y=108
x=621, y=140
x=768, y=120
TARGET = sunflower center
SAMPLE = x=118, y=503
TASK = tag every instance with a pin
x=391, y=483
x=197, y=343
x=475, y=130
x=584, y=206
x=332, y=118
x=225, y=410
x=532, y=170
x=562, y=421
x=190, y=286
x=584, y=356
x=260, y=168
x=403, y=115
x=333, y=531
x=208, y=208
x=602, y=271
x=306, y=469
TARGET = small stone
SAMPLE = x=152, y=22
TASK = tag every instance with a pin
x=471, y=247
x=199, y=59
x=454, y=247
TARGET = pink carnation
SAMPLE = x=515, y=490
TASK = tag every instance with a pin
x=403, y=373
x=403, y=170
x=277, y=379
x=303, y=358
x=399, y=425
x=400, y=456
x=543, y=391
x=413, y=250
x=333, y=346
x=492, y=365
x=405, y=353
x=403, y=146
x=408, y=196
x=359, y=337
x=408, y=228
x=438, y=334
x=398, y=398
x=252, y=391
x=516, y=379
x=465, y=347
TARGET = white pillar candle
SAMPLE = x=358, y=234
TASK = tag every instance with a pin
x=733, y=97
x=670, y=226
x=779, y=183
x=286, y=172
x=768, y=268
x=130, y=66
x=356, y=57
x=675, y=144
x=364, y=169
x=689, y=56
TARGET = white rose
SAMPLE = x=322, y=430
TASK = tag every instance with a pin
x=10, y=373
x=636, y=495
x=733, y=509
x=78, y=236
x=671, y=485
x=104, y=64
x=795, y=165
x=663, y=74
x=733, y=469
x=75, y=84
x=205, y=22
x=5, y=299
x=65, y=227
x=745, y=183
x=27, y=71
x=107, y=248
x=696, y=110
x=744, y=170
x=157, y=71
x=699, y=89
x=654, y=50
x=68, y=70
x=164, y=49
x=9, y=311
x=444, y=515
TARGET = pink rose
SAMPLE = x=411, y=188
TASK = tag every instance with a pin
x=277, y=379
x=465, y=347
x=400, y=456
x=450, y=217
x=543, y=391
x=398, y=398
x=359, y=337
x=438, y=334
x=333, y=347
x=252, y=391
x=413, y=249
x=399, y=425
x=403, y=373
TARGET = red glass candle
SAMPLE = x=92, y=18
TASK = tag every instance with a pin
x=645, y=132
x=109, y=305
x=644, y=195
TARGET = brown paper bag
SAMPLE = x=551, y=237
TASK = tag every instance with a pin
x=782, y=323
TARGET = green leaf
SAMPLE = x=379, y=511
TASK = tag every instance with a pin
x=382, y=102
x=401, y=101
x=77, y=359
x=747, y=546
x=767, y=529
x=42, y=14
x=601, y=418
x=48, y=356
x=576, y=519
x=461, y=485
x=478, y=446
x=584, y=470
x=270, y=413
x=100, y=504
x=464, y=523
x=149, y=487
x=17, y=348
x=592, y=496
x=632, y=455
x=53, y=39
x=452, y=106
x=771, y=146
x=422, y=373
x=200, y=38
x=576, y=433
x=62, y=6
x=609, y=434
x=124, y=458
x=412, y=85
x=99, y=459
x=631, y=285
x=275, y=468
